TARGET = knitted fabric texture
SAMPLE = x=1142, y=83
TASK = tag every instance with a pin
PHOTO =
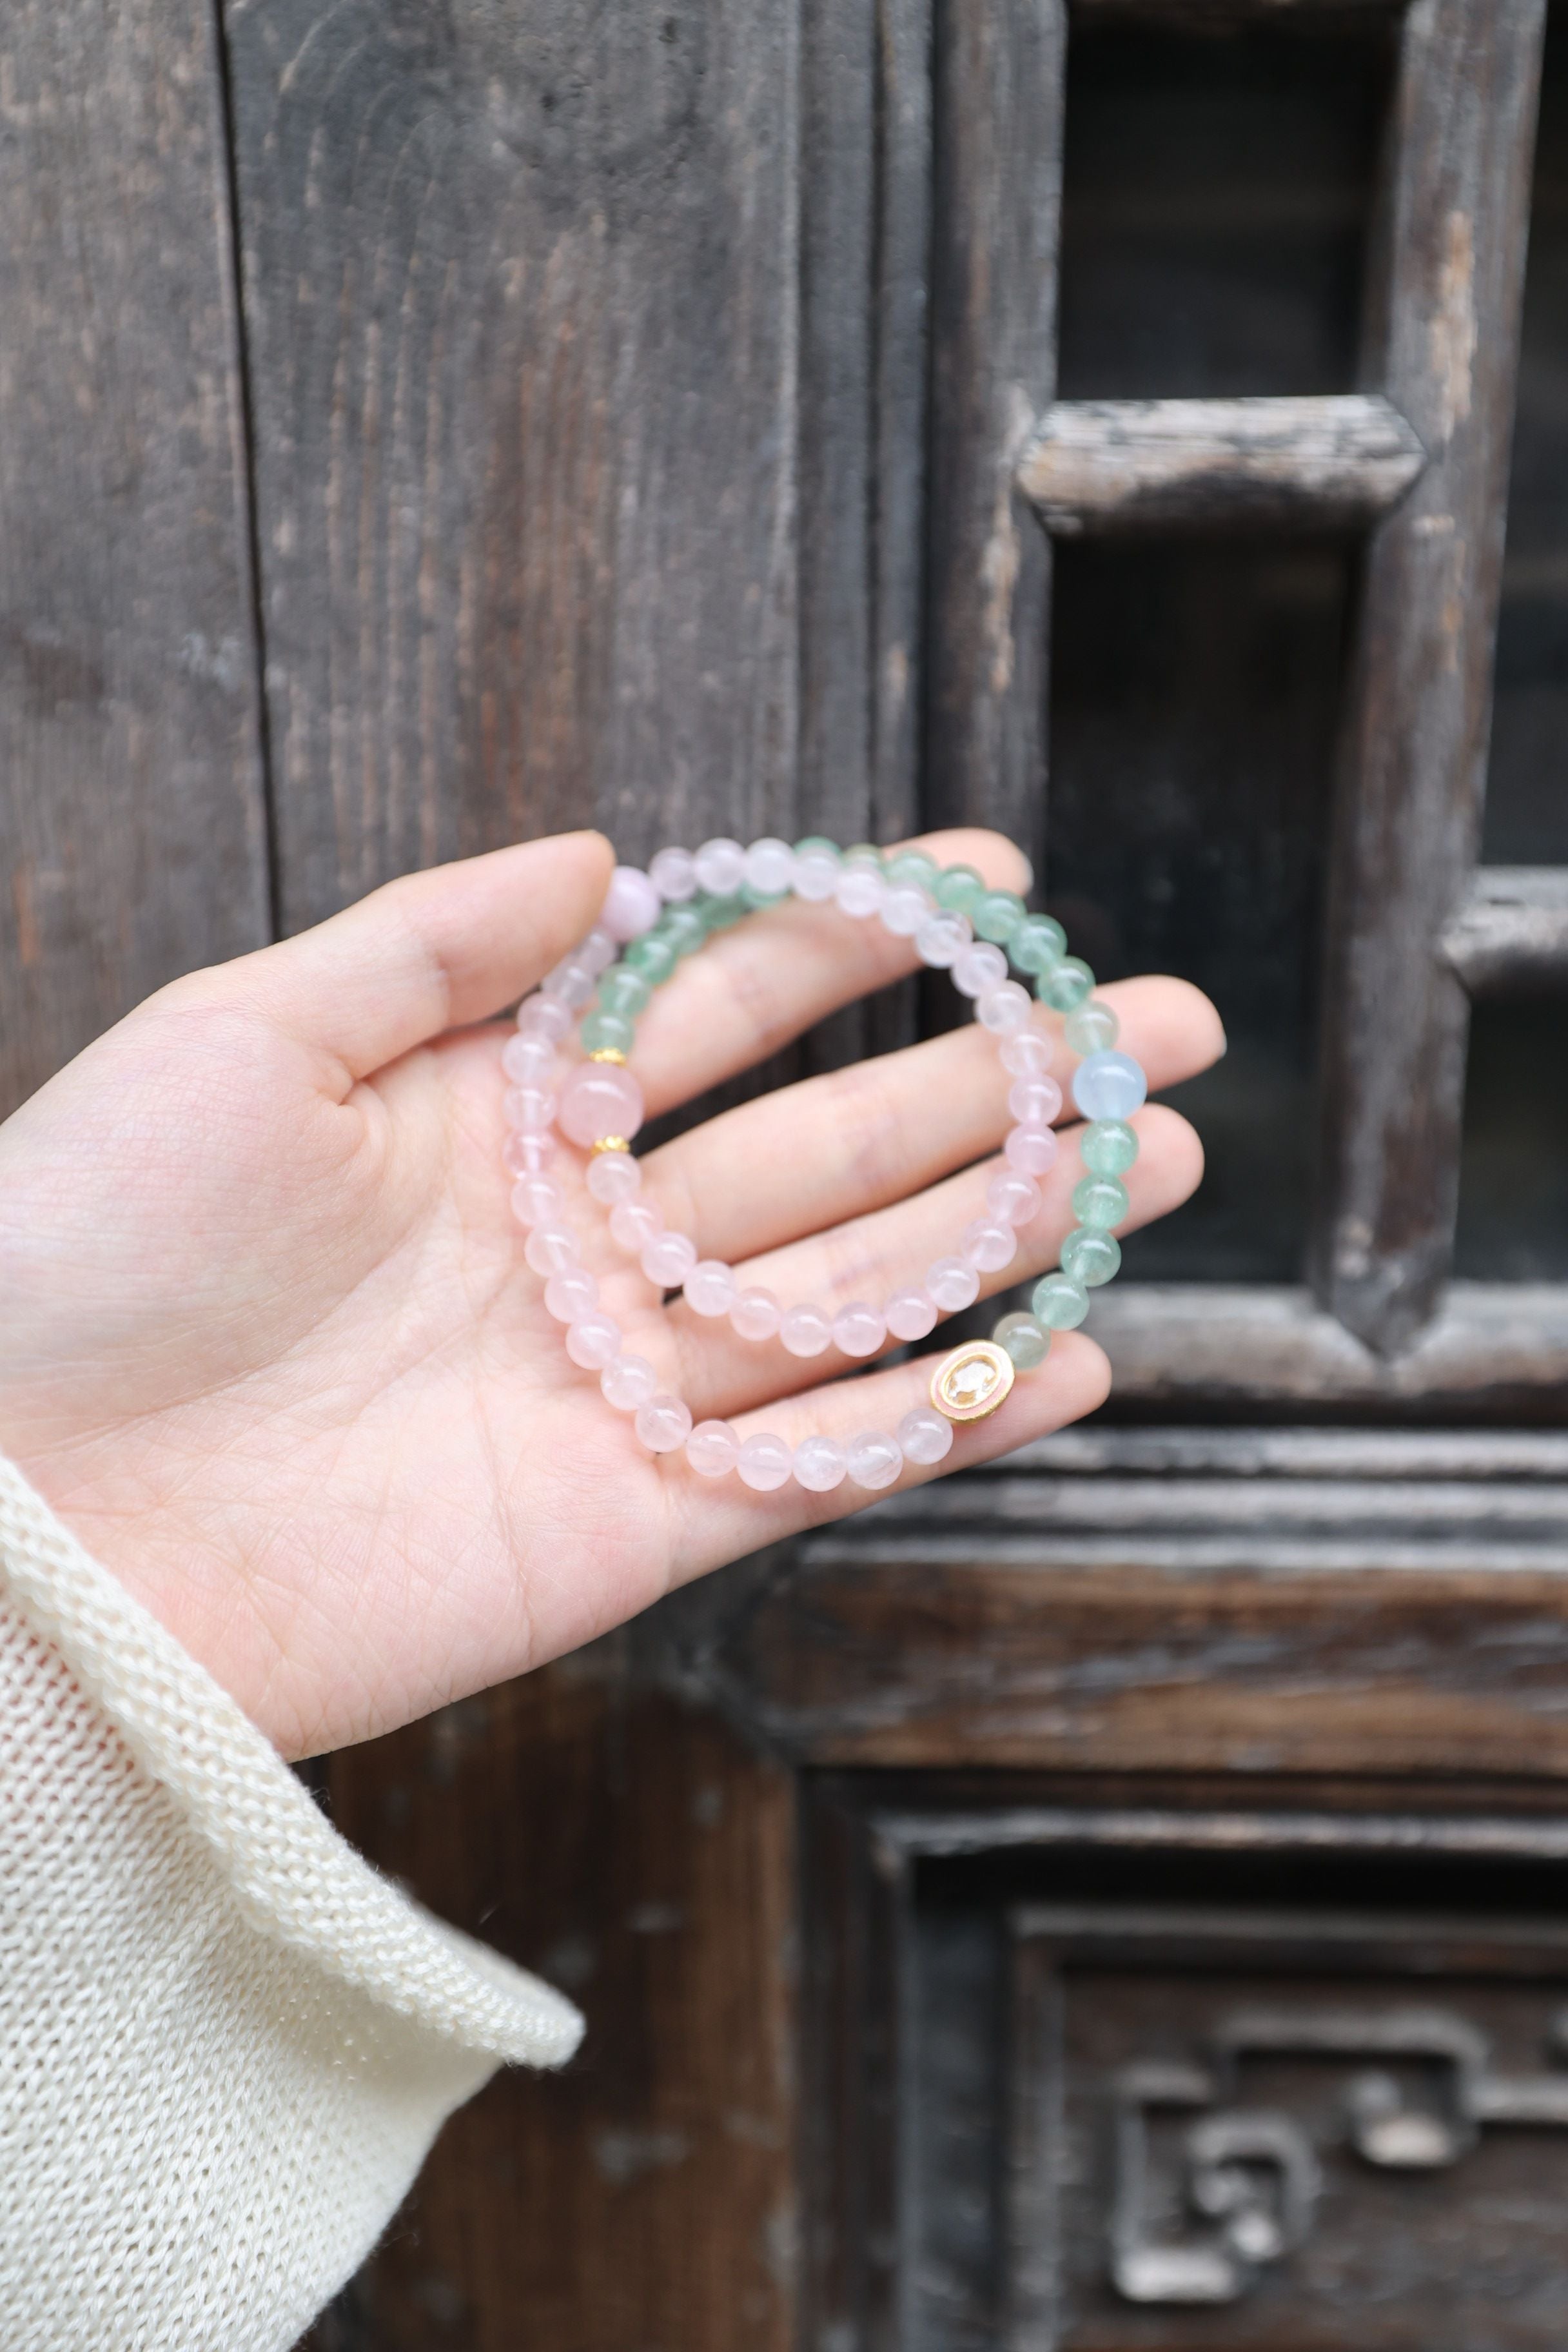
x=225, y=2044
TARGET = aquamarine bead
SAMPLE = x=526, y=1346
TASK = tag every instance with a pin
x=1108, y=1147
x=1066, y=985
x=1109, y=1085
x=1092, y=1028
x=654, y=958
x=957, y=888
x=608, y=1032
x=997, y=916
x=624, y=990
x=1100, y=1200
x=1061, y=1303
x=720, y=912
x=912, y=867
x=1039, y=944
x=1023, y=1340
x=683, y=926
x=1090, y=1257
x=816, y=845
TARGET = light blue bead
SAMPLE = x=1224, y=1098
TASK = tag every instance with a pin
x=1100, y=1200
x=1092, y=1028
x=1090, y=1257
x=1109, y=1085
x=1023, y=1340
x=1061, y=1303
x=1039, y=944
x=1066, y=985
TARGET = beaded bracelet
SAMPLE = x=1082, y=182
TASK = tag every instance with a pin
x=655, y=919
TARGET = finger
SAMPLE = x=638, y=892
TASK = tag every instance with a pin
x=872, y=1256
x=832, y=1148
x=428, y=952
x=755, y=989
x=726, y=1517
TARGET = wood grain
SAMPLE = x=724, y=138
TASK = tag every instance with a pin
x=132, y=820
x=1509, y=936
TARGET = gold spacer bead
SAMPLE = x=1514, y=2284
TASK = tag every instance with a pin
x=608, y=1054
x=611, y=1143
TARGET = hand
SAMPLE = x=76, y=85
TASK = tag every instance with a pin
x=271, y=1348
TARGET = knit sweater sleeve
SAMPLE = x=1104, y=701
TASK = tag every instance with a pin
x=226, y=2042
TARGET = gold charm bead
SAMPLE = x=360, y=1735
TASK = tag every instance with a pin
x=611, y=1143
x=608, y=1054
x=972, y=1381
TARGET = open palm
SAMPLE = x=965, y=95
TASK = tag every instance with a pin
x=270, y=1346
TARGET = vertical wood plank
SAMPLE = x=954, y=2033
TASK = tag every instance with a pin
x=1443, y=344
x=132, y=838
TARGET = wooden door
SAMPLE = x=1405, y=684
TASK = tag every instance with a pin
x=1117, y=1903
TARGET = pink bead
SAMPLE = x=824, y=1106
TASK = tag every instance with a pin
x=953, y=1283
x=551, y=1247
x=1026, y=1053
x=597, y=951
x=614, y=1177
x=712, y=1449
x=600, y=1099
x=1031, y=1149
x=720, y=867
x=673, y=874
x=627, y=1382
x=535, y=1201
x=631, y=905
x=874, y=1458
x=1034, y=1102
x=633, y=1224
x=805, y=1330
x=528, y=1061
x=570, y=981
x=770, y=866
x=710, y=1288
x=978, y=968
x=667, y=1259
x=529, y=1109
x=756, y=1314
x=570, y=1294
x=1012, y=1197
x=941, y=940
x=663, y=1424
x=543, y=1016
x=911, y=1314
x=1004, y=1009
x=858, y=1329
x=925, y=1435
x=815, y=877
x=594, y=1340
x=861, y=891
x=904, y=909
x=819, y=1464
x=989, y=1243
x=530, y=1154
x=763, y=1462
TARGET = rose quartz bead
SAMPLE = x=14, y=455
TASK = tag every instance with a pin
x=597, y=951
x=1034, y=1102
x=805, y=1330
x=763, y=1461
x=667, y=1259
x=712, y=1449
x=594, y=1340
x=628, y=1381
x=814, y=877
x=1031, y=1149
x=543, y=1016
x=631, y=904
x=911, y=1314
x=904, y=909
x=600, y=1099
x=528, y=1109
x=953, y=1283
x=710, y=1287
x=756, y=1314
x=770, y=866
x=1026, y=1053
x=571, y=1293
x=979, y=968
x=673, y=874
x=819, y=1464
x=720, y=867
x=861, y=891
x=858, y=1329
x=663, y=1424
x=633, y=1224
x=925, y=1435
x=528, y=1061
x=570, y=981
x=614, y=1177
x=874, y=1458
x=1014, y=1197
x=941, y=940
x=530, y=1154
x=1004, y=1009
x=535, y=1201
x=989, y=1243
x=551, y=1247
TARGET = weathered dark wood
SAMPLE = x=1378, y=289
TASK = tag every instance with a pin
x=1509, y=936
x=1442, y=345
x=999, y=68
x=1323, y=463
x=131, y=824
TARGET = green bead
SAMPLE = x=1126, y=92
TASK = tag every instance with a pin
x=1061, y=1303
x=720, y=914
x=1092, y=1028
x=603, y=1033
x=998, y=915
x=654, y=958
x=1109, y=1147
x=755, y=901
x=819, y=844
x=1024, y=1340
x=958, y=887
x=1039, y=944
x=1065, y=988
x=1100, y=1200
x=864, y=853
x=624, y=990
x=1090, y=1257
x=913, y=866
x=683, y=926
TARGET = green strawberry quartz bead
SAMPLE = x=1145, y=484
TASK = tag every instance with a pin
x=1090, y=1257
x=1024, y=1340
x=912, y=867
x=609, y=1033
x=1101, y=1201
x=1108, y=1147
x=756, y=902
x=683, y=926
x=1092, y=1028
x=719, y=913
x=996, y=916
x=1059, y=1302
x=654, y=957
x=816, y=845
x=625, y=991
x=1065, y=987
x=1039, y=944
x=958, y=888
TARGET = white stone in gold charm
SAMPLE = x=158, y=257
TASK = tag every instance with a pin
x=972, y=1381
